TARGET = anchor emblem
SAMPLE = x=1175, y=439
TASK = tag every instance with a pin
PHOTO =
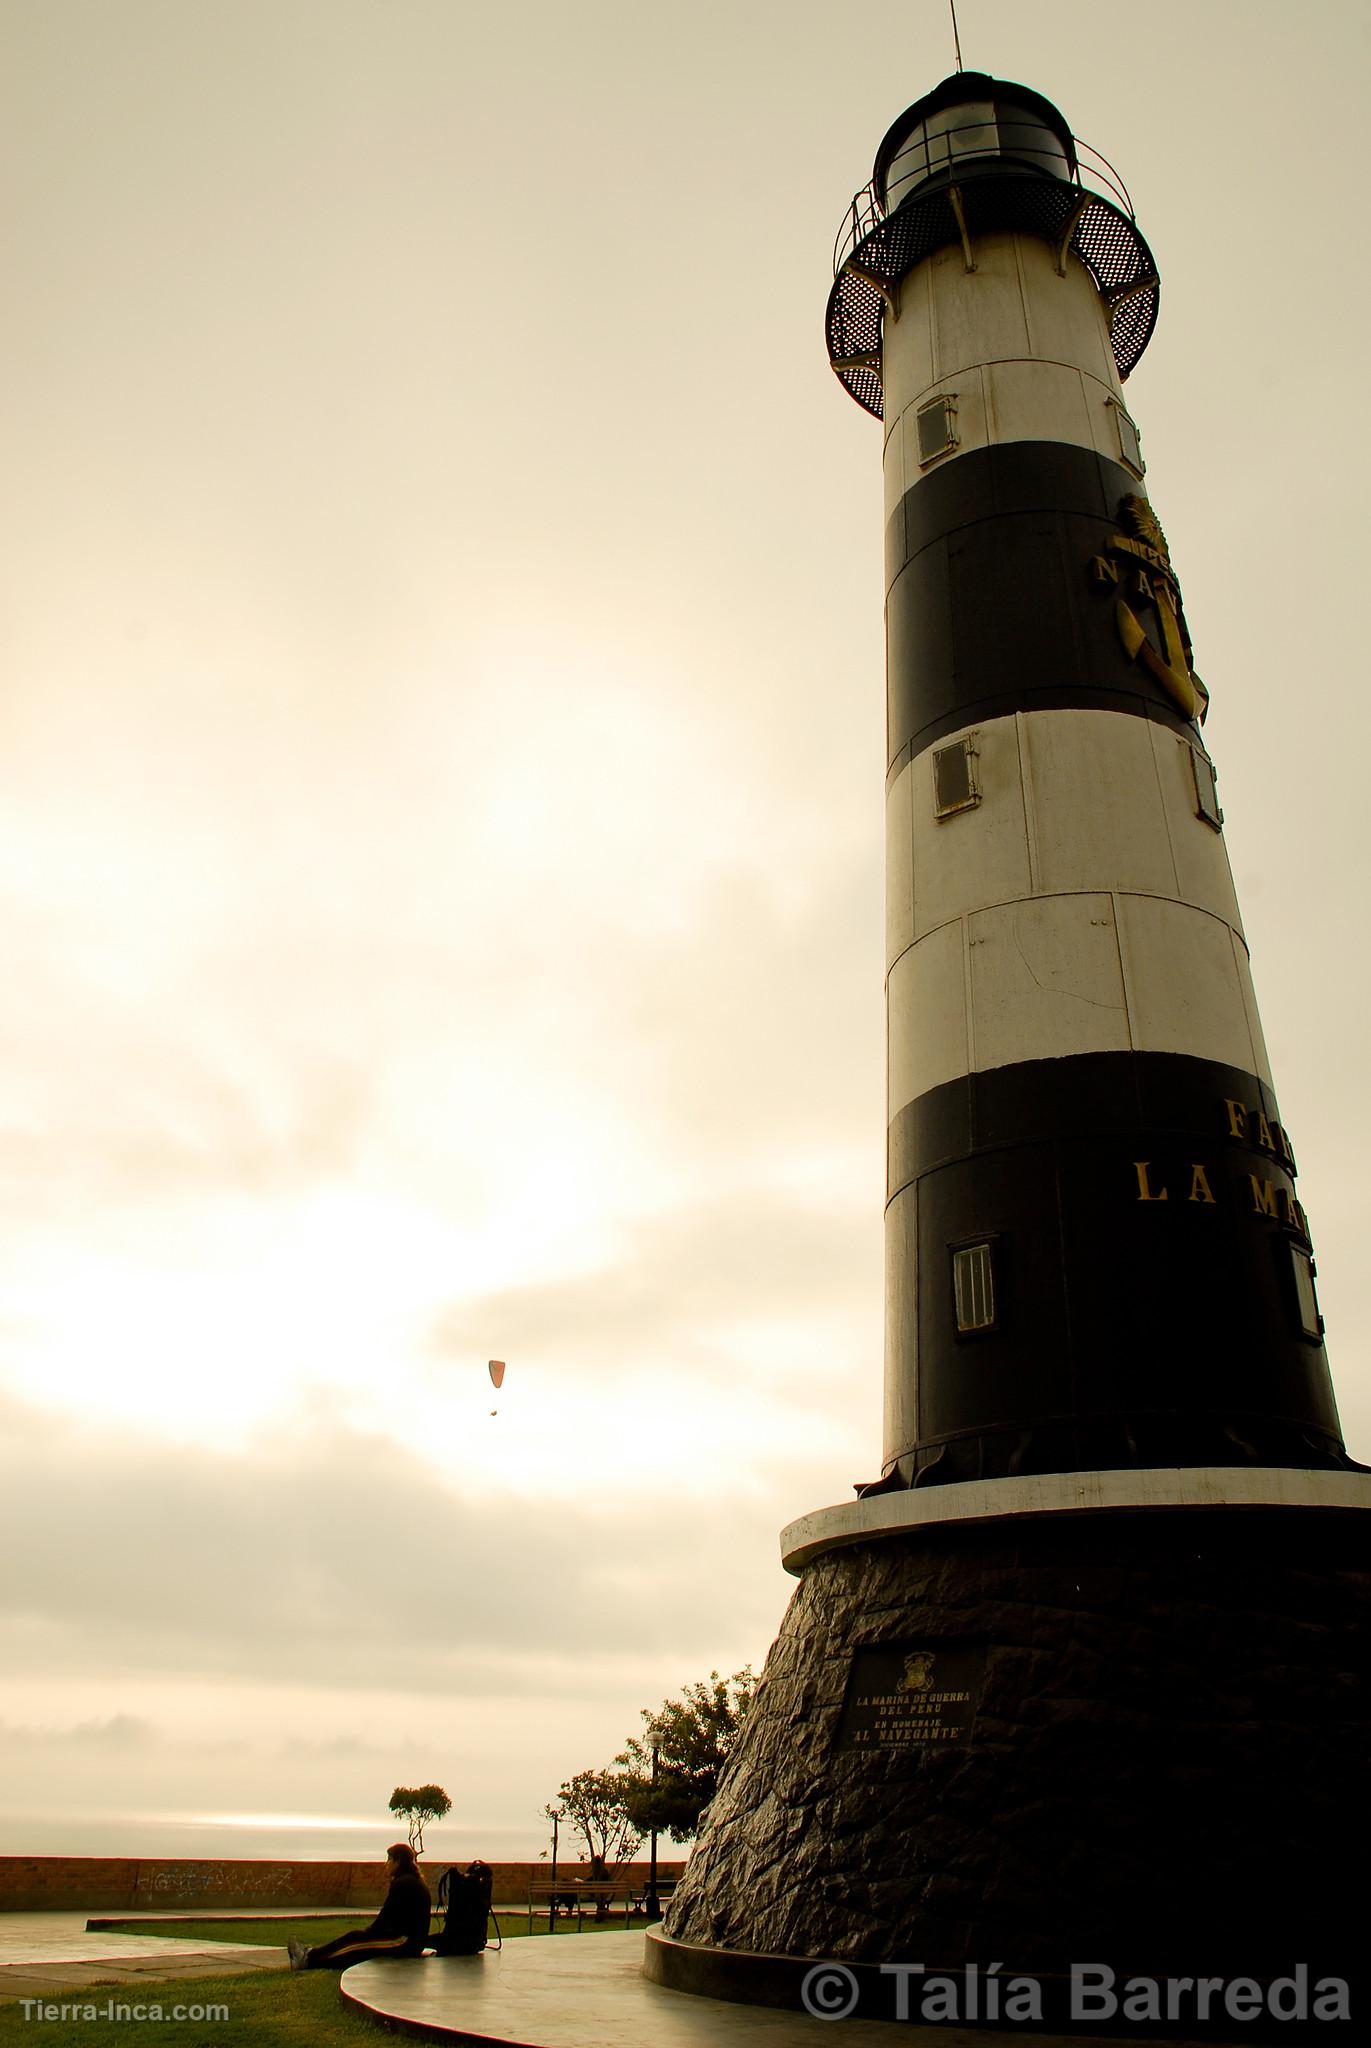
x=1138, y=562
x=918, y=1671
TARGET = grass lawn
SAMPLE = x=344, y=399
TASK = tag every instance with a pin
x=253, y=1933
x=279, y=2011
x=270, y=2007
x=277, y=1932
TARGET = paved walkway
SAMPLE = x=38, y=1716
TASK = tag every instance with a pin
x=591, y=1993
x=50, y=1955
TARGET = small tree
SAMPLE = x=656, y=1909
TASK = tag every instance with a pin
x=418, y=1805
x=592, y=1805
x=693, y=1737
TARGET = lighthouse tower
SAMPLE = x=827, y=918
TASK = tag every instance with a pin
x=1097, y=1256
x=1081, y=1673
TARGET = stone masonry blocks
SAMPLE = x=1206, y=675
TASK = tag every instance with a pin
x=1165, y=1771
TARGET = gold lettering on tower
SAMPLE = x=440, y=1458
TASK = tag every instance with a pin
x=1200, y=1190
x=1269, y=1135
x=1264, y=1196
x=1145, y=1191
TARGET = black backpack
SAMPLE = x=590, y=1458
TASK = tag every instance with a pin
x=464, y=1902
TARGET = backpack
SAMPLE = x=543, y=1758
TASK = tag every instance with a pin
x=464, y=1902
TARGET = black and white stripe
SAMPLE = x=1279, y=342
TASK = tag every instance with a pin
x=1077, y=1076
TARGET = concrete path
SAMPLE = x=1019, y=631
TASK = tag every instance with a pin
x=591, y=1993
x=50, y=1955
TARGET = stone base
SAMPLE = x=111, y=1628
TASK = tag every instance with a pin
x=1163, y=1768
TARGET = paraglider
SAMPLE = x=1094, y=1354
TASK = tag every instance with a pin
x=496, y=1368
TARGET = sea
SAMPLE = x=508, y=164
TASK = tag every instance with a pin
x=271, y=1837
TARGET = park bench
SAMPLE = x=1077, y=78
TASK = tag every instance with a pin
x=572, y=1895
x=637, y=1901
x=583, y=1895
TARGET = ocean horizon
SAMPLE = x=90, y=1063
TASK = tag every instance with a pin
x=264, y=1837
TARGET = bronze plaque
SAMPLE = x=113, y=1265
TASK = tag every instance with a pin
x=910, y=1696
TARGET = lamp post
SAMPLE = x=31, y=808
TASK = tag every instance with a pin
x=654, y=1911
x=552, y=1902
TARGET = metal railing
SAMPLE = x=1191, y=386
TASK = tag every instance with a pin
x=1093, y=173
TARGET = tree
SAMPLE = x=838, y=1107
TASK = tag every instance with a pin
x=418, y=1805
x=693, y=1737
x=592, y=1805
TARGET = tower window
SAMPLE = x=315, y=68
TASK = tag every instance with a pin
x=954, y=778
x=973, y=1286
x=1206, y=788
x=937, y=428
x=1311, y=1322
x=1130, y=446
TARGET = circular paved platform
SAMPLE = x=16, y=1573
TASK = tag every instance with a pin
x=590, y=1992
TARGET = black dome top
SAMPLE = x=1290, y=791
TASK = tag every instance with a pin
x=967, y=88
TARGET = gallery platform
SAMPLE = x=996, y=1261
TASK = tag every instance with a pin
x=591, y=1993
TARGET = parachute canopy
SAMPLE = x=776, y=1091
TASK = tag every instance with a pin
x=496, y=1368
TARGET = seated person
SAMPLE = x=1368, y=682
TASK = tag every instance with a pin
x=399, y=1929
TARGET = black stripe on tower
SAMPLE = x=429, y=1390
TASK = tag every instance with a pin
x=992, y=606
x=1146, y=1240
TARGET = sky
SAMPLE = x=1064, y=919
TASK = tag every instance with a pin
x=441, y=812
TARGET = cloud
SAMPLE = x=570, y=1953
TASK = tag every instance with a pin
x=766, y=1024
x=294, y=1628
x=678, y=1277
x=336, y=1553
x=120, y=1732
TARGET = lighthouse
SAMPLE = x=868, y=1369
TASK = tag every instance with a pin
x=1097, y=1253
x=1080, y=1673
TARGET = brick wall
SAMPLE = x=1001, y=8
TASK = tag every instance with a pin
x=93, y=1884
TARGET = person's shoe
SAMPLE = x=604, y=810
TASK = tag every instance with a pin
x=299, y=1955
